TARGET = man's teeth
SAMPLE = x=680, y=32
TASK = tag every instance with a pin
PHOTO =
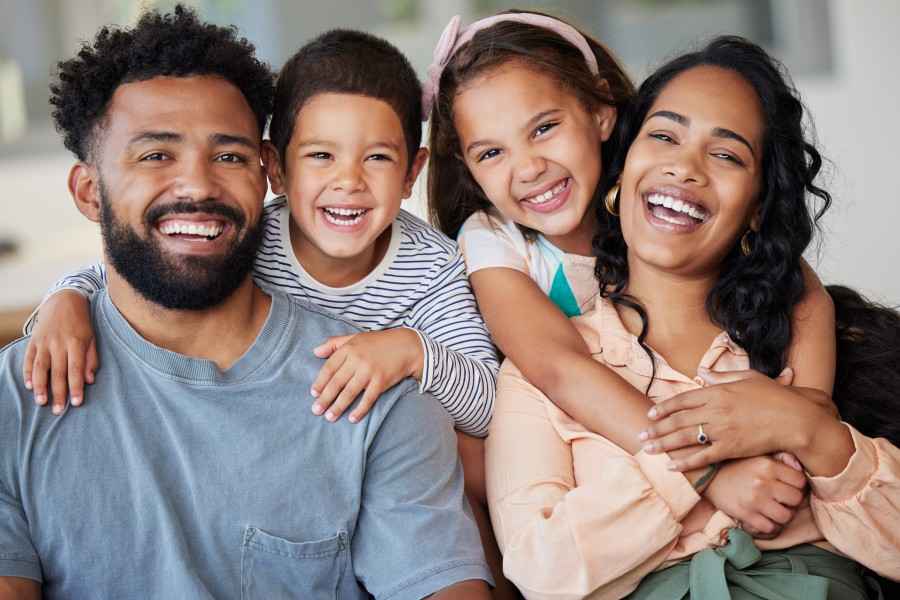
x=175, y=227
x=687, y=208
x=344, y=216
x=546, y=196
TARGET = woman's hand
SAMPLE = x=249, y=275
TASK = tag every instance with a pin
x=367, y=363
x=743, y=413
x=761, y=493
x=62, y=351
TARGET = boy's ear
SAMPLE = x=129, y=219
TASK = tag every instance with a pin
x=272, y=165
x=418, y=163
x=84, y=185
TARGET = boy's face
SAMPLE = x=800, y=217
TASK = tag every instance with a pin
x=345, y=175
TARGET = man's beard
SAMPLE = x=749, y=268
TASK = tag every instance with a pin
x=178, y=283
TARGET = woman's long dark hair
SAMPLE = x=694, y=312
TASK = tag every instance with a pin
x=453, y=194
x=754, y=296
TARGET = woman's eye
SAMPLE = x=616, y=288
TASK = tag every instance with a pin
x=488, y=154
x=729, y=157
x=544, y=128
x=663, y=137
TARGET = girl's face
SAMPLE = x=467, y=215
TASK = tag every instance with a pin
x=533, y=148
x=692, y=176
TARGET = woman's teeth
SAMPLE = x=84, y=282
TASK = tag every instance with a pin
x=549, y=194
x=344, y=216
x=209, y=231
x=692, y=210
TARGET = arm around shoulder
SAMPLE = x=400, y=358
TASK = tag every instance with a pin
x=18, y=588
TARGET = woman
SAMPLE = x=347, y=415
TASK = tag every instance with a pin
x=703, y=230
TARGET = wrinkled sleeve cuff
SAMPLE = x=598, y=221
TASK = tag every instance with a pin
x=672, y=486
x=20, y=567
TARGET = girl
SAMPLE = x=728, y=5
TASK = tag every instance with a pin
x=523, y=106
x=703, y=229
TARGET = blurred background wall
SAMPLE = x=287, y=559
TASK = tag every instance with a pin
x=844, y=56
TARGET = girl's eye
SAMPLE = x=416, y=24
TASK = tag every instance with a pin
x=488, y=154
x=663, y=137
x=544, y=128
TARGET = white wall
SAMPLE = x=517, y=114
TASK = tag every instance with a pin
x=857, y=115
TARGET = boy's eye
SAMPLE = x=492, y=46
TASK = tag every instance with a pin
x=231, y=157
x=319, y=155
x=544, y=128
x=488, y=154
x=379, y=157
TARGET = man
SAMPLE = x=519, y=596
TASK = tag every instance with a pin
x=198, y=471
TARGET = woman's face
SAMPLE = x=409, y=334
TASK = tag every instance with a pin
x=692, y=176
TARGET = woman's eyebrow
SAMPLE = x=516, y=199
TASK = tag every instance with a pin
x=720, y=132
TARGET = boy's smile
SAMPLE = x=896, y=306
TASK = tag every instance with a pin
x=344, y=174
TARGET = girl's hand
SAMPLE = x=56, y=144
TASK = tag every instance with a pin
x=368, y=362
x=762, y=493
x=61, y=351
x=743, y=413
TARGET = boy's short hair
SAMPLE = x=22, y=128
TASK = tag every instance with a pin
x=176, y=44
x=344, y=61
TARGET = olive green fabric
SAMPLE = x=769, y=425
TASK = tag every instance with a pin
x=739, y=571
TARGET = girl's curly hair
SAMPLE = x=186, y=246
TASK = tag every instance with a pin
x=176, y=44
x=754, y=296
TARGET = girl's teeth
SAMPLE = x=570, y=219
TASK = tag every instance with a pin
x=546, y=196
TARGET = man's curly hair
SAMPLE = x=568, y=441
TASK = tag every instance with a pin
x=176, y=44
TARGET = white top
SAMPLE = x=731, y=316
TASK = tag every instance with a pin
x=487, y=239
x=420, y=283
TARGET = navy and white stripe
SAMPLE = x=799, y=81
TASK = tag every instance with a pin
x=421, y=284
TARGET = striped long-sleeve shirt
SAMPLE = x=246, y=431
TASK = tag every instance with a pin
x=420, y=284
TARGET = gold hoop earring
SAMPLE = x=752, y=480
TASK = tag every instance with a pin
x=746, y=248
x=610, y=200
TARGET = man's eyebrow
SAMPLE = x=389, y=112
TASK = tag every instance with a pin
x=721, y=132
x=155, y=136
x=228, y=139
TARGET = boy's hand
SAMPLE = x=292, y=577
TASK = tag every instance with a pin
x=62, y=351
x=371, y=361
x=762, y=493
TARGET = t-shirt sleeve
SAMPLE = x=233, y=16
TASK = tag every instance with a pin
x=487, y=242
x=415, y=534
x=18, y=557
x=86, y=282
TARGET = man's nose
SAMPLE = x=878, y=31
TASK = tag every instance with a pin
x=197, y=181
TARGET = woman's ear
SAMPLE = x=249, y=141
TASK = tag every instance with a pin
x=756, y=218
x=84, y=185
x=417, y=164
x=272, y=165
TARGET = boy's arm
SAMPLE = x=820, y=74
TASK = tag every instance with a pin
x=17, y=588
x=460, y=364
x=87, y=281
x=548, y=350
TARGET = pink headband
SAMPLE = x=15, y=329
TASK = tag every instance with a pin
x=452, y=39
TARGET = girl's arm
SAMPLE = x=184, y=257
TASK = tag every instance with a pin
x=548, y=350
x=61, y=353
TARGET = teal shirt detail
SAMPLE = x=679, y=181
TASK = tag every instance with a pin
x=561, y=294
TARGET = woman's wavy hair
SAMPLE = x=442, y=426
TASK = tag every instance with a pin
x=453, y=194
x=754, y=296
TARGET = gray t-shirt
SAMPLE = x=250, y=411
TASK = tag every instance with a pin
x=178, y=480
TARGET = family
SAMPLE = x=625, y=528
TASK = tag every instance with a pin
x=305, y=399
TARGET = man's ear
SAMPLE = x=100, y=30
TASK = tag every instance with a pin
x=418, y=163
x=272, y=165
x=84, y=185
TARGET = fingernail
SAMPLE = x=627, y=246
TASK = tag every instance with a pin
x=643, y=436
x=353, y=418
x=650, y=448
x=652, y=413
x=672, y=466
x=317, y=409
x=27, y=384
x=314, y=392
x=76, y=400
x=90, y=377
x=329, y=416
x=57, y=409
x=40, y=399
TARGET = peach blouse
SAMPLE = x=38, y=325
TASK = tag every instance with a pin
x=577, y=516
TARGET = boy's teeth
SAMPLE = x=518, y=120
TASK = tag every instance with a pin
x=183, y=228
x=344, y=216
x=676, y=205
